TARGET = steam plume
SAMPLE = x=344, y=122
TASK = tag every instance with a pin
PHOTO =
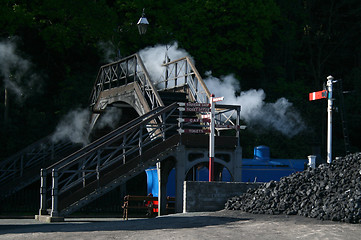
x=110, y=118
x=258, y=114
x=16, y=72
x=280, y=115
x=73, y=127
x=154, y=57
x=107, y=51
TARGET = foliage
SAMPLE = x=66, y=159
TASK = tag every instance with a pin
x=60, y=38
x=287, y=48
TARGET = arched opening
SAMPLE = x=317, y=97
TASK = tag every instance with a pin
x=114, y=116
x=200, y=172
x=168, y=176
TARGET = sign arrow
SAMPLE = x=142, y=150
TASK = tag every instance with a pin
x=317, y=95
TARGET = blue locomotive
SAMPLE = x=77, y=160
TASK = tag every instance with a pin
x=261, y=168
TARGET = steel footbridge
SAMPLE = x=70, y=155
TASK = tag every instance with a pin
x=72, y=176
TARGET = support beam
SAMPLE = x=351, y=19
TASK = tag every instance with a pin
x=42, y=210
x=180, y=176
x=54, y=194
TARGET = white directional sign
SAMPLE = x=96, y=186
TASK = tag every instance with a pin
x=238, y=127
x=194, y=120
x=206, y=116
x=217, y=99
x=181, y=104
x=193, y=131
x=194, y=109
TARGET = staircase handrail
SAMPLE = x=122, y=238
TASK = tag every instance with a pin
x=182, y=72
x=110, y=75
x=86, y=173
x=103, y=139
x=32, y=155
x=90, y=164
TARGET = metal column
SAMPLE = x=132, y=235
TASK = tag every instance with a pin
x=54, y=194
x=42, y=210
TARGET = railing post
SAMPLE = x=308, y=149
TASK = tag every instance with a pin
x=186, y=72
x=180, y=126
x=166, y=78
x=83, y=174
x=98, y=168
x=54, y=194
x=135, y=69
x=163, y=126
x=42, y=210
x=124, y=149
x=238, y=129
x=140, y=144
x=175, y=74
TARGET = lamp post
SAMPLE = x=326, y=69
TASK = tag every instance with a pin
x=143, y=24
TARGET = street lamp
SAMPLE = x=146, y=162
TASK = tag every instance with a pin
x=142, y=24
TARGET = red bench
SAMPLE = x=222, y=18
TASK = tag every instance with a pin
x=148, y=203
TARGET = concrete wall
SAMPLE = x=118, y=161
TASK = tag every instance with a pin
x=211, y=196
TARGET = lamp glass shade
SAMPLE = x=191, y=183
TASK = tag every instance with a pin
x=142, y=25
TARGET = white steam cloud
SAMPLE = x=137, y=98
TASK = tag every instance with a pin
x=110, y=118
x=107, y=50
x=155, y=57
x=258, y=114
x=73, y=127
x=16, y=72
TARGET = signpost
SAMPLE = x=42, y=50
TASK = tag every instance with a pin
x=327, y=94
x=208, y=108
x=213, y=101
x=329, y=85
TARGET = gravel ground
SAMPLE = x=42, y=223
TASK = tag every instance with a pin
x=223, y=224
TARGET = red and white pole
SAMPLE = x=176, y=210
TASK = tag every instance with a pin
x=211, y=141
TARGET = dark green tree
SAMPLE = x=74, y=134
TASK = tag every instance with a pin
x=60, y=39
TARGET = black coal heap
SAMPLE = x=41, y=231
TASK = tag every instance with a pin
x=329, y=192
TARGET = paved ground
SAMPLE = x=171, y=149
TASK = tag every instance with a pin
x=206, y=225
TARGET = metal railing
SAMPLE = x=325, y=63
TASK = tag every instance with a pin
x=88, y=167
x=122, y=72
x=180, y=73
x=42, y=151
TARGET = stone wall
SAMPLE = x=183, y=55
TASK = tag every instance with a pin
x=211, y=196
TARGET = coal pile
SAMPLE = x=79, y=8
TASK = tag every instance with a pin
x=328, y=192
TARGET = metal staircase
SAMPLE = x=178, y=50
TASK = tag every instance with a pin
x=22, y=169
x=107, y=162
x=129, y=150
x=69, y=182
x=114, y=81
x=111, y=160
x=126, y=80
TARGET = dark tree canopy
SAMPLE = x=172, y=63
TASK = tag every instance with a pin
x=287, y=48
